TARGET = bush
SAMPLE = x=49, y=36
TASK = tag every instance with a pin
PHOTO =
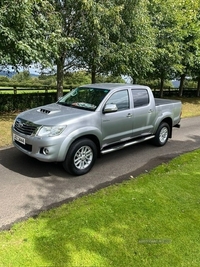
x=155, y=83
x=79, y=77
x=4, y=79
x=20, y=102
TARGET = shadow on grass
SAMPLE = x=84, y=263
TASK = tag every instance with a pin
x=96, y=238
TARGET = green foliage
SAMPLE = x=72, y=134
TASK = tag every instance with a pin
x=136, y=40
x=28, y=32
x=21, y=77
x=49, y=80
x=78, y=77
x=20, y=102
x=4, y=79
x=109, y=79
x=142, y=39
x=168, y=37
x=155, y=83
x=190, y=84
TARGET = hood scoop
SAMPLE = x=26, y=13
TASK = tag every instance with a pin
x=46, y=111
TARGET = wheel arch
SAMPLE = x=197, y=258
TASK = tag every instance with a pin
x=92, y=137
x=168, y=120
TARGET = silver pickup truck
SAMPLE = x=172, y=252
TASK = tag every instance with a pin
x=94, y=119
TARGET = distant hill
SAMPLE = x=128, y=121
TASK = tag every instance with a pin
x=176, y=83
x=10, y=74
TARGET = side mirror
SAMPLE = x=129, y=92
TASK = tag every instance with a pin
x=110, y=108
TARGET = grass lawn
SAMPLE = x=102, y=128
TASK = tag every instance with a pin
x=6, y=121
x=153, y=220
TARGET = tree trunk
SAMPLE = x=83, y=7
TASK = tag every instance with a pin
x=93, y=74
x=181, y=85
x=60, y=76
x=198, y=86
x=133, y=80
x=161, y=87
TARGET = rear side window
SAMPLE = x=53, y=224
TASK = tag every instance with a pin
x=140, y=97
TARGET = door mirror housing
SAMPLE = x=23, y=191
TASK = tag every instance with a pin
x=109, y=108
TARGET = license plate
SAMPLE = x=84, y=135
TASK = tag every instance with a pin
x=19, y=139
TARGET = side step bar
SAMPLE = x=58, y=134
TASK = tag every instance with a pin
x=123, y=145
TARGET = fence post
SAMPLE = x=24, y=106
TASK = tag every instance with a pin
x=15, y=90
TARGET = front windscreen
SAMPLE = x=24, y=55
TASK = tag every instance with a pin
x=84, y=98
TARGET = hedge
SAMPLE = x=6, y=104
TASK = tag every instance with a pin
x=20, y=102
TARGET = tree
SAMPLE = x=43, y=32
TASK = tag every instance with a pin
x=28, y=32
x=135, y=41
x=85, y=30
x=166, y=21
x=22, y=76
x=196, y=71
x=190, y=43
x=117, y=38
x=70, y=13
x=95, y=47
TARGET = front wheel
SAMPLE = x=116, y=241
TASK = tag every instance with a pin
x=162, y=134
x=80, y=157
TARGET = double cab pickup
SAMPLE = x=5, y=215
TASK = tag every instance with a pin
x=92, y=120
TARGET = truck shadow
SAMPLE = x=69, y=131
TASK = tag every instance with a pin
x=22, y=164
x=16, y=161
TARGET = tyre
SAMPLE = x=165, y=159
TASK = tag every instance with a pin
x=162, y=134
x=80, y=157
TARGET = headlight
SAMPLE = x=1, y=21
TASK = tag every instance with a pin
x=50, y=130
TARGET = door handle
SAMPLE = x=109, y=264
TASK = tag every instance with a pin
x=129, y=115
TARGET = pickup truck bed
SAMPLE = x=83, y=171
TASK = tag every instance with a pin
x=161, y=101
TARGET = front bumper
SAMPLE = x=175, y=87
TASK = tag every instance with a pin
x=42, y=148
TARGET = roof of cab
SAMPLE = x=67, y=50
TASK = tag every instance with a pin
x=111, y=86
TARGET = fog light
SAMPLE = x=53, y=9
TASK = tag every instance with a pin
x=45, y=151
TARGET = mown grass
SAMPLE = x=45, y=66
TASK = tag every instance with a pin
x=190, y=107
x=153, y=220
x=6, y=121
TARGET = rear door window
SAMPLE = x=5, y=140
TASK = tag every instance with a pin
x=140, y=97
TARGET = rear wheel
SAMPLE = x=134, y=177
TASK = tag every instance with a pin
x=162, y=134
x=80, y=157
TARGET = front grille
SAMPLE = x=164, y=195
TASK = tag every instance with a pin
x=26, y=146
x=25, y=127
